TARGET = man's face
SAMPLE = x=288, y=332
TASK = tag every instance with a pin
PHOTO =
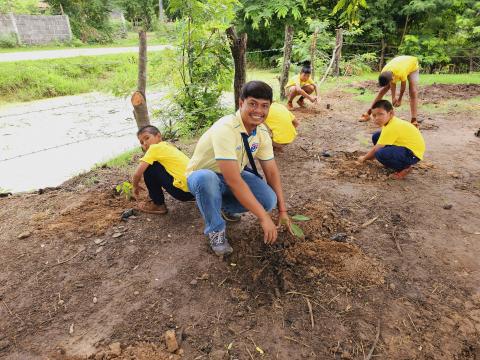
x=254, y=111
x=381, y=116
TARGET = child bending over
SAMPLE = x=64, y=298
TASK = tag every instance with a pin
x=282, y=124
x=162, y=166
x=398, y=145
x=302, y=85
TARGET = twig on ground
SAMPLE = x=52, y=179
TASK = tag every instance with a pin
x=412, y=322
x=310, y=310
x=370, y=353
x=249, y=353
x=11, y=312
x=395, y=240
x=301, y=147
x=70, y=258
x=296, y=341
x=333, y=298
x=297, y=293
x=369, y=222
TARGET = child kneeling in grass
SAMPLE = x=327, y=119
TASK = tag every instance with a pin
x=399, y=144
x=162, y=166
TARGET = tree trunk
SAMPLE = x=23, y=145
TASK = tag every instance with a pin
x=404, y=29
x=287, y=54
x=470, y=67
x=382, y=56
x=338, y=52
x=139, y=100
x=313, y=51
x=161, y=12
x=238, y=46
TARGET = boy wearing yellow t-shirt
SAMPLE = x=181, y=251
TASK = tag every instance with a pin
x=162, y=166
x=282, y=124
x=302, y=85
x=399, y=144
x=401, y=68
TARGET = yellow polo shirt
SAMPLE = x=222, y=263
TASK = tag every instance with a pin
x=279, y=121
x=296, y=81
x=173, y=160
x=401, y=67
x=402, y=133
x=223, y=141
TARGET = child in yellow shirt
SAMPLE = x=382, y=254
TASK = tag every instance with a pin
x=401, y=68
x=302, y=85
x=282, y=124
x=399, y=144
x=162, y=166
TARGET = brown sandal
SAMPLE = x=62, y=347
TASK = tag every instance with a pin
x=365, y=117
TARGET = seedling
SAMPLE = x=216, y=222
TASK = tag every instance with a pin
x=297, y=230
x=125, y=189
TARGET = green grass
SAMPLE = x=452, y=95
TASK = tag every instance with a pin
x=123, y=160
x=131, y=40
x=30, y=80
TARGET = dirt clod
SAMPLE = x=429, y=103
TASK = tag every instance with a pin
x=171, y=341
x=24, y=235
x=115, y=349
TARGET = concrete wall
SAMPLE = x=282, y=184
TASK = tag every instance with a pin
x=36, y=29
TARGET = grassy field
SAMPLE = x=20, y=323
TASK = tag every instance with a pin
x=131, y=40
x=117, y=74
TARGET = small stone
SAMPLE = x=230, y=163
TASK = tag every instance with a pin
x=326, y=153
x=70, y=329
x=98, y=241
x=95, y=300
x=180, y=352
x=136, y=293
x=24, y=235
x=447, y=206
x=127, y=213
x=79, y=285
x=194, y=282
x=100, y=355
x=117, y=235
x=61, y=302
x=99, y=249
x=171, y=341
x=453, y=174
x=115, y=349
x=392, y=286
x=218, y=355
x=340, y=237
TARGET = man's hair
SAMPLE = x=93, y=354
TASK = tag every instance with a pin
x=307, y=67
x=385, y=78
x=257, y=90
x=383, y=104
x=149, y=129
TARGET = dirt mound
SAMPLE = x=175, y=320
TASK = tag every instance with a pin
x=344, y=164
x=434, y=93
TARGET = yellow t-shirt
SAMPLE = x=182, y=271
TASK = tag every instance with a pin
x=402, y=133
x=173, y=160
x=296, y=81
x=279, y=121
x=223, y=141
x=401, y=67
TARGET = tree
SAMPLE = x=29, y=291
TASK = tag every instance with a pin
x=238, y=46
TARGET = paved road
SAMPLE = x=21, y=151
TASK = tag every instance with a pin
x=45, y=142
x=57, y=54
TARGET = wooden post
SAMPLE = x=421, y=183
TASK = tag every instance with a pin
x=382, y=56
x=161, y=12
x=287, y=54
x=238, y=47
x=470, y=67
x=338, y=53
x=313, y=51
x=139, y=99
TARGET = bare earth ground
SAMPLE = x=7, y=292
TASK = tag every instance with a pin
x=402, y=277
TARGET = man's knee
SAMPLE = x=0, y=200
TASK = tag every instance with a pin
x=203, y=181
x=308, y=89
x=269, y=201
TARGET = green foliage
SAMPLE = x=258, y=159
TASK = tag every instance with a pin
x=8, y=41
x=261, y=12
x=141, y=12
x=350, y=11
x=299, y=217
x=297, y=231
x=358, y=64
x=19, y=7
x=205, y=65
x=125, y=189
x=122, y=160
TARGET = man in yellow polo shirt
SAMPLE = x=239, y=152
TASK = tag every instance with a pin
x=399, y=144
x=216, y=173
x=401, y=68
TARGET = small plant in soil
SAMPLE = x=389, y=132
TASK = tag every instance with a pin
x=125, y=189
x=297, y=230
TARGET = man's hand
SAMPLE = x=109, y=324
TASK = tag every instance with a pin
x=137, y=188
x=284, y=219
x=397, y=102
x=269, y=230
x=313, y=99
x=361, y=159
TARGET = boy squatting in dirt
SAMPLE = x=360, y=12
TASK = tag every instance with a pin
x=399, y=144
x=217, y=177
x=302, y=86
x=401, y=68
x=282, y=124
x=162, y=166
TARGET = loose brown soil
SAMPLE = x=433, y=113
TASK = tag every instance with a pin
x=435, y=93
x=395, y=257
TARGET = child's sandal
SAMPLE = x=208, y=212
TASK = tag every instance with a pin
x=365, y=117
x=400, y=175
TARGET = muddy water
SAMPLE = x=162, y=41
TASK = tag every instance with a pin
x=43, y=143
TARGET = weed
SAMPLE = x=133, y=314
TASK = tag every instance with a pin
x=125, y=189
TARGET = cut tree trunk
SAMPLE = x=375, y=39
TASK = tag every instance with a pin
x=287, y=54
x=382, y=55
x=238, y=46
x=139, y=100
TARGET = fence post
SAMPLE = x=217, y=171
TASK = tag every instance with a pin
x=287, y=54
x=338, y=53
x=15, y=28
x=382, y=56
x=313, y=50
x=470, y=67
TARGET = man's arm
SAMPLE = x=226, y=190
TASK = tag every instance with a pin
x=241, y=191
x=272, y=175
x=398, y=101
x=379, y=96
x=137, y=176
x=393, y=89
